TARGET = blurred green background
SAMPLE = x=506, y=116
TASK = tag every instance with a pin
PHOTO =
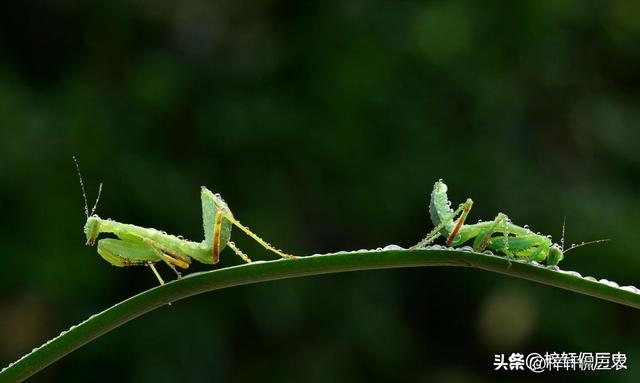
x=324, y=126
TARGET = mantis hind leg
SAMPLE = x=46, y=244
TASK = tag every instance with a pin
x=221, y=216
x=466, y=208
x=238, y=252
x=462, y=209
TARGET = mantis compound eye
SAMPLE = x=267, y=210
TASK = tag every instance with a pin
x=555, y=255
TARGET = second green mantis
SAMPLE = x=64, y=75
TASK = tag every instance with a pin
x=499, y=235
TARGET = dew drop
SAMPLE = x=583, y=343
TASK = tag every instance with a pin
x=633, y=289
x=608, y=283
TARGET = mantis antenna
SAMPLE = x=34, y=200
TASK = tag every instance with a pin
x=586, y=243
x=95, y=205
x=84, y=193
x=564, y=221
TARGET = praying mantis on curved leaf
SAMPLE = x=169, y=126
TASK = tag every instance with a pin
x=499, y=235
x=136, y=245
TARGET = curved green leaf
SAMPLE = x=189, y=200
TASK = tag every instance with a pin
x=390, y=257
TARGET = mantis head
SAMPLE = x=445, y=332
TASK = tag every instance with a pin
x=555, y=255
x=92, y=229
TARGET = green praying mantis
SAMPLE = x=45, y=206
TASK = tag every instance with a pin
x=499, y=235
x=136, y=245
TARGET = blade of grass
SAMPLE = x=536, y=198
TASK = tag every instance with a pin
x=255, y=272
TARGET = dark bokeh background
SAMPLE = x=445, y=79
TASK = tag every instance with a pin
x=324, y=126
